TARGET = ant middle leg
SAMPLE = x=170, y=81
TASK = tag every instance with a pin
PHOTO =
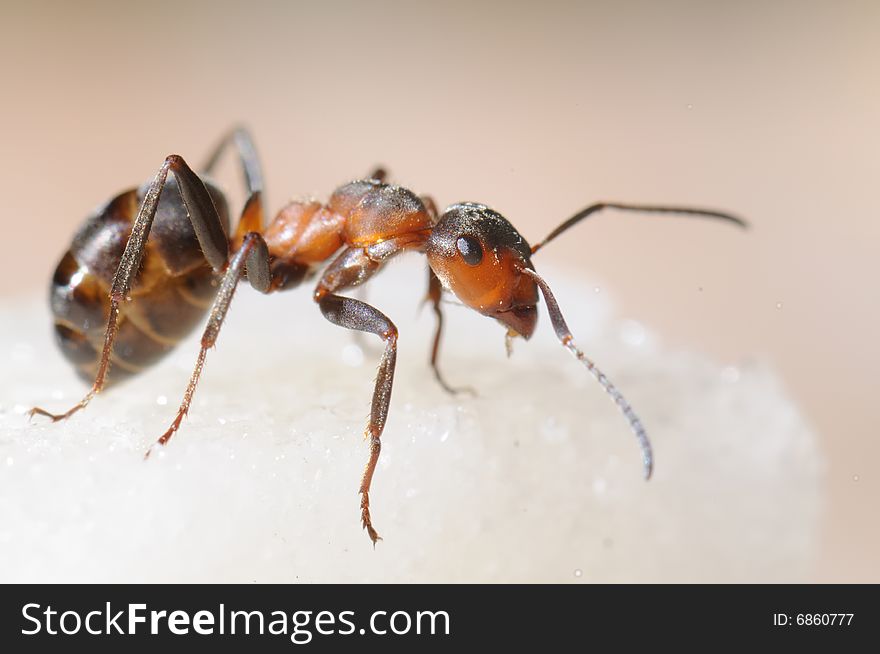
x=252, y=257
x=208, y=229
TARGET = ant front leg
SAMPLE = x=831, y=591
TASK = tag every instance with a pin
x=434, y=296
x=435, y=293
x=252, y=257
x=351, y=268
x=208, y=229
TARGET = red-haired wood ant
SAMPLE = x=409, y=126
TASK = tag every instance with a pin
x=142, y=271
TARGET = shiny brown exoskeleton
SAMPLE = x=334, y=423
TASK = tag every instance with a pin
x=145, y=268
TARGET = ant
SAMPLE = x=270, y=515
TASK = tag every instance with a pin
x=143, y=270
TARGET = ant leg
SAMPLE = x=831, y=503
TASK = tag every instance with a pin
x=434, y=296
x=435, y=292
x=357, y=337
x=247, y=156
x=251, y=219
x=351, y=268
x=209, y=231
x=357, y=315
x=252, y=257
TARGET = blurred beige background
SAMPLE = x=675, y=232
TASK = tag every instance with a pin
x=766, y=109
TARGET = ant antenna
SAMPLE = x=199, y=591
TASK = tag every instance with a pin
x=564, y=335
x=584, y=213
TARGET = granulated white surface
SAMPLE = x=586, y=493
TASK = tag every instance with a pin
x=536, y=479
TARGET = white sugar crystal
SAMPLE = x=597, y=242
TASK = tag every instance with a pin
x=534, y=478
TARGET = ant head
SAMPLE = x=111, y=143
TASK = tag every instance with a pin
x=479, y=256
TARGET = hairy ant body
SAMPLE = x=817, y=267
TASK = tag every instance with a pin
x=120, y=297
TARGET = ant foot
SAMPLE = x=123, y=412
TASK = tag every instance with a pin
x=54, y=417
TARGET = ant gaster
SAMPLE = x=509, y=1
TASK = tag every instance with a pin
x=142, y=271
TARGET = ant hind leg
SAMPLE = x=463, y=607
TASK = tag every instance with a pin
x=241, y=139
x=252, y=218
x=209, y=231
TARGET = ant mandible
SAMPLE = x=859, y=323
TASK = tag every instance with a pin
x=118, y=295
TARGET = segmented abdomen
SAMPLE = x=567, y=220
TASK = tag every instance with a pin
x=169, y=297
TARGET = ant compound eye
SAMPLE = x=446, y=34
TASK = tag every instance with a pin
x=470, y=249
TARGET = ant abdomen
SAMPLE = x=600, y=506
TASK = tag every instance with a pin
x=170, y=295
